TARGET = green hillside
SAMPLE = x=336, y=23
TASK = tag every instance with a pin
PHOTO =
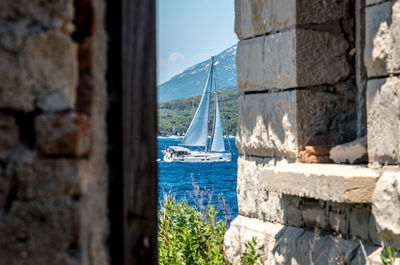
x=175, y=116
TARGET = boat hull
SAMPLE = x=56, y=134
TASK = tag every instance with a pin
x=198, y=157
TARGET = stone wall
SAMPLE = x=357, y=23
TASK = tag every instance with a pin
x=308, y=67
x=295, y=76
x=53, y=181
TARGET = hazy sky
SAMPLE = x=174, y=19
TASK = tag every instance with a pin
x=190, y=31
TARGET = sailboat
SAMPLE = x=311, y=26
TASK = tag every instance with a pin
x=197, y=133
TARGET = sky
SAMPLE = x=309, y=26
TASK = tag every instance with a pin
x=191, y=31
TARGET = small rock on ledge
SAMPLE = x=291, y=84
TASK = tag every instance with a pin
x=352, y=152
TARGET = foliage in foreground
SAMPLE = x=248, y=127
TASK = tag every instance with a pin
x=189, y=236
x=252, y=254
x=388, y=256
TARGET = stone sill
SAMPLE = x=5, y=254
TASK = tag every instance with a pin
x=329, y=182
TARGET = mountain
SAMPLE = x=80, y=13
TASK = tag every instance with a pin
x=175, y=116
x=191, y=82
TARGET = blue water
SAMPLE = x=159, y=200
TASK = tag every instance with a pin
x=214, y=181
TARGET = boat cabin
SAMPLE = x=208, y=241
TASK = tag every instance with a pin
x=178, y=150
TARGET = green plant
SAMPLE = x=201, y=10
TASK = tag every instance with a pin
x=188, y=236
x=252, y=254
x=388, y=256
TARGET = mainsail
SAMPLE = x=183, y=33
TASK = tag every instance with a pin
x=217, y=139
x=197, y=134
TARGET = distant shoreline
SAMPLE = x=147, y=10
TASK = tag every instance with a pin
x=177, y=137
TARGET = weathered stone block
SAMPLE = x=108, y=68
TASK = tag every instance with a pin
x=386, y=205
x=359, y=221
x=46, y=63
x=381, y=39
x=64, y=134
x=49, y=13
x=295, y=58
x=280, y=65
x=242, y=229
x=313, y=214
x=337, y=183
x=267, y=125
x=275, y=124
x=321, y=58
x=258, y=17
x=250, y=64
x=338, y=217
x=383, y=112
x=43, y=179
x=31, y=228
x=54, y=102
x=253, y=199
x=290, y=245
x=51, y=61
x=9, y=134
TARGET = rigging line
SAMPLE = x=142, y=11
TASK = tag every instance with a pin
x=209, y=101
x=223, y=117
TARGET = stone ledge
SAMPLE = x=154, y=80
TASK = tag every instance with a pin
x=329, y=182
x=290, y=245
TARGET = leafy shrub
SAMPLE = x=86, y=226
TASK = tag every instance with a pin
x=388, y=256
x=188, y=236
x=252, y=254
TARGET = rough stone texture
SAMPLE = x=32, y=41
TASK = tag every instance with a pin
x=40, y=207
x=382, y=53
x=250, y=64
x=359, y=222
x=39, y=232
x=275, y=124
x=52, y=210
x=54, y=102
x=290, y=245
x=67, y=134
x=258, y=17
x=338, y=183
x=386, y=205
x=45, y=63
x=321, y=58
x=376, y=20
x=36, y=51
x=49, y=13
x=255, y=200
x=353, y=152
x=295, y=58
x=280, y=60
x=313, y=213
x=267, y=125
x=9, y=134
x=383, y=112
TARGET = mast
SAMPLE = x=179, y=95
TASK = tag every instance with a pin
x=210, y=80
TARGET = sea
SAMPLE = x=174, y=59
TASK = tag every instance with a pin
x=201, y=184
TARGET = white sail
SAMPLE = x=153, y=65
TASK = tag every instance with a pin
x=197, y=134
x=217, y=139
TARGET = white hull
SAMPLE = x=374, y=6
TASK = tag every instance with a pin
x=198, y=157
